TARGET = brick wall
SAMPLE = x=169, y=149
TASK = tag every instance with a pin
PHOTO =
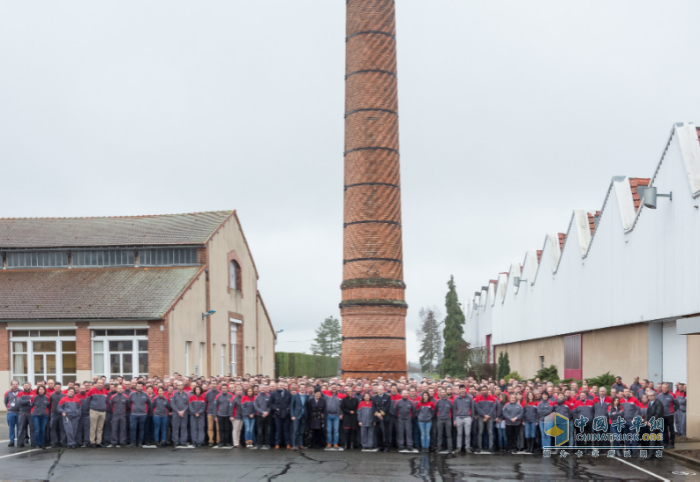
x=4, y=348
x=158, y=348
x=83, y=346
x=373, y=309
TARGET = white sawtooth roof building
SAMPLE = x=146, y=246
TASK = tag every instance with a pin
x=620, y=266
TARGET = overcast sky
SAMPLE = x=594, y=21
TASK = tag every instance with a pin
x=512, y=115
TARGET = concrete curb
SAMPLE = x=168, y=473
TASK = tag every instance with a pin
x=694, y=462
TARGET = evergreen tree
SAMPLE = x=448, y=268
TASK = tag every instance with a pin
x=455, y=346
x=503, y=365
x=328, y=338
x=429, y=337
x=499, y=367
x=506, y=364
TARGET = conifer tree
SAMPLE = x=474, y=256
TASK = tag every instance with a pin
x=455, y=346
x=328, y=338
x=429, y=337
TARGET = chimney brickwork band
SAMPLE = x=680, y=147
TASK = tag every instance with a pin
x=373, y=306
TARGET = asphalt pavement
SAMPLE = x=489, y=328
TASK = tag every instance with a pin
x=205, y=464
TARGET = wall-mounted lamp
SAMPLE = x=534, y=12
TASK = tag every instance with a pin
x=208, y=313
x=650, y=196
x=517, y=281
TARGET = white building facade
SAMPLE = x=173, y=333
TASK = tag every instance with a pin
x=608, y=294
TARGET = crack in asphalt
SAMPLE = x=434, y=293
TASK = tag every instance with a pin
x=53, y=467
x=283, y=472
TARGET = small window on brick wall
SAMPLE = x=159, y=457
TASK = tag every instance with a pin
x=234, y=272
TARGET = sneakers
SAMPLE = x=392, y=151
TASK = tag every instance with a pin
x=11, y=444
x=277, y=447
x=289, y=446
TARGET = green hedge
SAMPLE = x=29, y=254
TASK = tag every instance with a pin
x=300, y=364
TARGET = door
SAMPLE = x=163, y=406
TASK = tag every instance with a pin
x=675, y=355
x=573, y=367
x=234, y=348
x=44, y=359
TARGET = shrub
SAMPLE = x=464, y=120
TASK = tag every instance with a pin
x=514, y=375
x=550, y=374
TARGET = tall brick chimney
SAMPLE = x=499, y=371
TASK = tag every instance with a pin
x=373, y=309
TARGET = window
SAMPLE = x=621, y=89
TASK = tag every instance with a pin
x=167, y=256
x=234, y=346
x=43, y=354
x=541, y=362
x=234, y=273
x=223, y=359
x=39, y=259
x=120, y=353
x=115, y=257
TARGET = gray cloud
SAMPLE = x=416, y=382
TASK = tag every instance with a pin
x=512, y=115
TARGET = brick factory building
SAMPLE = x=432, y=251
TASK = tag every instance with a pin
x=126, y=296
x=373, y=306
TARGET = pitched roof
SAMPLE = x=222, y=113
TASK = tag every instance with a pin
x=167, y=229
x=127, y=293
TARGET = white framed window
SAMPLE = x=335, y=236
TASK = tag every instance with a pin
x=42, y=355
x=223, y=359
x=234, y=273
x=120, y=353
x=234, y=348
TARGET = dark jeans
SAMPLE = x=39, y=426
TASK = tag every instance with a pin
x=225, y=429
x=512, y=433
x=39, y=422
x=137, y=423
x=161, y=425
x=263, y=424
x=12, y=420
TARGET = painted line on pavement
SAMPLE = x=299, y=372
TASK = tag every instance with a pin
x=643, y=470
x=20, y=453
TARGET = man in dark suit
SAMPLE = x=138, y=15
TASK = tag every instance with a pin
x=298, y=415
x=280, y=402
x=655, y=411
x=382, y=407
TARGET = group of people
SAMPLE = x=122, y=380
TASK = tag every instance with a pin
x=296, y=413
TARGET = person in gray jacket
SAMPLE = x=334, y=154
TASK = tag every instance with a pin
x=513, y=415
x=365, y=419
x=486, y=407
x=119, y=408
x=180, y=404
x=563, y=409
x=444, y=409
x=139, y=408
x=404, y=411
x=263, y=421
x=333, y=415
x=70, y=411
x=544, y=408
x=198, y=415
x=463, y=416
